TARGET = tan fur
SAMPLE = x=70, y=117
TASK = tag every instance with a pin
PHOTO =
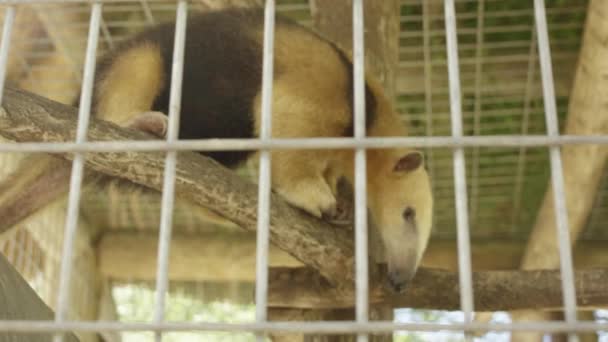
x=310, y=101
x=131, y=85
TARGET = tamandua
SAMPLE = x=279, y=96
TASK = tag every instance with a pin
x=313, y=97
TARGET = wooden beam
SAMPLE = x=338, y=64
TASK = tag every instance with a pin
x=202, y=257
x=216, y=5
x=583, y=165
x=231, y=256
x=496, y=254
x=18, y=301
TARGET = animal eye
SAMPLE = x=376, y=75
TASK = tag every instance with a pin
x=409, y=214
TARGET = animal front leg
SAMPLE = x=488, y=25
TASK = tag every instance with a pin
x=297, y=177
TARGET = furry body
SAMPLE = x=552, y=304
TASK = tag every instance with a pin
x=313, y=96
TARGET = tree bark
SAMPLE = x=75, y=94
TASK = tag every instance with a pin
x=582, y=165
x=438, y=290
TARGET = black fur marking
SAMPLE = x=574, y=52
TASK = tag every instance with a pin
x=222, y=75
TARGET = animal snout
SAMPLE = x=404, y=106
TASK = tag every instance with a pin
x=398, y=280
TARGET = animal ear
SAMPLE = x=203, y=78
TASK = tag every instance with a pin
x=410, y=162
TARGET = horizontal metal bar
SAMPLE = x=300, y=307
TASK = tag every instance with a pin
x=327, y=327
x=409, y=18
x=489, y=29
x=303, y=143
x=24, y=2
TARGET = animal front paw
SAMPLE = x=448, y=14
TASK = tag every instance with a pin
x=155, y=123
x=344, y=215
x=315, y=197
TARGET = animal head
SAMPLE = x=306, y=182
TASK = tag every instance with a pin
x=401, y=206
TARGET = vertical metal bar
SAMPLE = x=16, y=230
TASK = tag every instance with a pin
x=147, y=11
x=71, y=224
x=168, y=194
x=32, y=256
x=460, y=182
x=521, y=165
x=106, y=34
x=477, y=112
x=262, y=237
x=557, y=177
x=428, y=82
x=361, y=261
x=19, y=259
x=5, y=45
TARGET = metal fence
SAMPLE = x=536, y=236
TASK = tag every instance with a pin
x=362, y=326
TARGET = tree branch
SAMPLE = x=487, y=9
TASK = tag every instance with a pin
x=438, y=289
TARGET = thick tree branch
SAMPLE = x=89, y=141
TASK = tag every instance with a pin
x=438, y=289
x=326, y=248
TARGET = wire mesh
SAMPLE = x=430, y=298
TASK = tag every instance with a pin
x=501, y=95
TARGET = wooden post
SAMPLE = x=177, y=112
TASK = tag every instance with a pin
x=18, y=301
x=582, y=165
x=46, y=228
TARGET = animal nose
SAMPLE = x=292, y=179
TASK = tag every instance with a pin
x=398, y=281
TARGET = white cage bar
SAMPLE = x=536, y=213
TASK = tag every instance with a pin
x=457, y=141
x=168, y=193
x=361, y=260
x=460, y=185
x=263, y=229
x=9, y=19
x=557, y=176
x=71, y=224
